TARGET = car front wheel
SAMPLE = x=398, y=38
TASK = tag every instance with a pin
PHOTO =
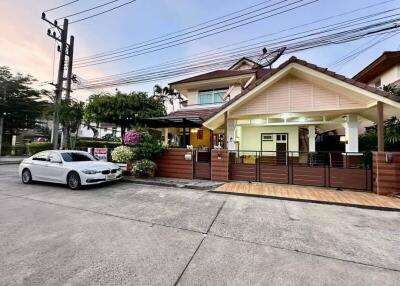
x=26, y=176
x=74, y=181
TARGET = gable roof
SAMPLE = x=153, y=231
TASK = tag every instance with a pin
x=313, y=67
x=214, y=75
x=255, y=64
x=384, y=62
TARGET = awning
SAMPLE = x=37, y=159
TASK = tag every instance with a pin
x=169, y=121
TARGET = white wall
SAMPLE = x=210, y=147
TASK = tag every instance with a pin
x=250, y=138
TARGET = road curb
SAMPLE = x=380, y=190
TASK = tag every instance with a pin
x=167, y=184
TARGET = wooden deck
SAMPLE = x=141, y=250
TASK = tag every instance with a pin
x=312, y=194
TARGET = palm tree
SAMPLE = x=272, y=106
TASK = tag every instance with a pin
x=167, y=94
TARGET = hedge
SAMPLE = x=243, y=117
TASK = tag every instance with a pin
x=36, y=147
x=96, y=144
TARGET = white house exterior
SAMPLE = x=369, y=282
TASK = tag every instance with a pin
x=248, y=107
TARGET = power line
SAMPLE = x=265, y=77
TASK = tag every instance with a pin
x=87, y=10
x=143, y=44
x=337, y=38
x=339, y=26
x=58, y=7
x=199, y=36
x=181, y=30
x=299, y=46
x=103, y=12
x=138, y=45
x=207, y=53
x=357, y=52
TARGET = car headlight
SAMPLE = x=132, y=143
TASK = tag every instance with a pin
x=90, y=172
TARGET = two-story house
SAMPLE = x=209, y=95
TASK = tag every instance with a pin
x=249, y=107
x=384, y=70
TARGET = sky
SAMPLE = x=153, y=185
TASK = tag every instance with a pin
x=25, y=47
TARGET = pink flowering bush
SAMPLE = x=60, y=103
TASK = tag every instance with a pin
x=132, y=137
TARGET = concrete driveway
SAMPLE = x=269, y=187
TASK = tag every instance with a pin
x=128, y=234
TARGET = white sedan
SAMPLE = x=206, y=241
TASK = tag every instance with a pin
x=74, y=168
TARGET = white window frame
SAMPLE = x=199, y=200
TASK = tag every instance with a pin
x=214, y=93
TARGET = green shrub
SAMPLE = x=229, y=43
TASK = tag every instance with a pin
x=144, y=169
x=148, y=150
x=123, y=154
x=36, y=147
x=97, y=144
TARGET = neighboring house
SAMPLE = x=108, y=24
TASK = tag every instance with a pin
x=248, y=107
x=382, y=71
x=102, y=129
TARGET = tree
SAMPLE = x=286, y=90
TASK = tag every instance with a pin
x=368, y=140
x=167, y=94
x=123, y=110
x=70, y=113
x=20, y=103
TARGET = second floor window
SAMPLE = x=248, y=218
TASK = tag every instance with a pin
x=212, y=96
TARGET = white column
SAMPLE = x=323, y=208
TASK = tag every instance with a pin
x=165, y=136
x=231, y=134
x=311, y=138
x=351, y=129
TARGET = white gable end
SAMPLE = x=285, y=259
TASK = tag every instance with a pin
x=293, y=94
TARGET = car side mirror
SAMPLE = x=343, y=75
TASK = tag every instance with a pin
x=56, y=161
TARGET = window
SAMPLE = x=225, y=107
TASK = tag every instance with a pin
x=281, y=138
x=212, y=96
x=42, y=156
x=54, y=157
x=267, y=137
x=76, y=157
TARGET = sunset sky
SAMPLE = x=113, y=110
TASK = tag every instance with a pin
x=25, y=47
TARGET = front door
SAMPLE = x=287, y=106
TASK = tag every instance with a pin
x=281, y=148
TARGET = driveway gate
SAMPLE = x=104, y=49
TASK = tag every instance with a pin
x=322, y=169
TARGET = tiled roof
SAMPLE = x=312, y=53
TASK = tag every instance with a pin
x=214, y=75
x=384, y=62
x=314, y=67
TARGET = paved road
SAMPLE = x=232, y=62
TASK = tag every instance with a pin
x=126, y=234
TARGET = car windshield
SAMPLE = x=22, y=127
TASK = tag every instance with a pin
x=76, y=157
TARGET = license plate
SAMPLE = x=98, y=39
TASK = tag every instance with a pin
x=111, y=177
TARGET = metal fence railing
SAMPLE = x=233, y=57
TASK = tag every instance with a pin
x=332, y=169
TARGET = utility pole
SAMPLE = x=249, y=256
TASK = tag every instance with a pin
x=68, y=91
x=2, y=121
x=60, y=78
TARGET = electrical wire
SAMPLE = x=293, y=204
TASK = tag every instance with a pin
x=200, y=36
x=299, y=46
x=89, y=9
x=207, y=54
x=103, y=12
x=344, y=24
x=181, y=30
x=322, y=41
x=58, y=7
x=138, y=45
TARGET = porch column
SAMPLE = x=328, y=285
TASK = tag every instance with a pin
x=351, y=129
x=311, y=138
x=184, y=143
x=380, y=127
x=231, y=134
x=165, y=136
x=226, y=130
